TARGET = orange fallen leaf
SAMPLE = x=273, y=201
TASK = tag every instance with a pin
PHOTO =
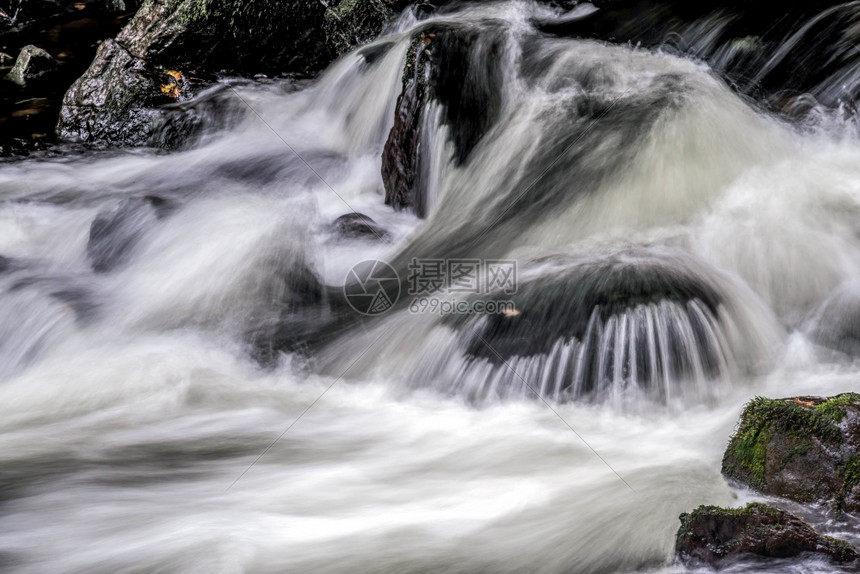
x=512, y=313
x=171, y=90
x=79, y=5
x=804, y=403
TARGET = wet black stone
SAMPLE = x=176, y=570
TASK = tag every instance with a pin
x=459, y=68
x=721, y=536
x=32, y=65
x=359, y=226
x=576, y=300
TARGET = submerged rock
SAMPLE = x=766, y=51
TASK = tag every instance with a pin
x=836, y=323
x=803, y=448
x=459, y=70
x=296, y=314
x=718, y=536
x=115, y=233
x=647, y=323
x=358, y=226
x=115, y=100
x=33, y=64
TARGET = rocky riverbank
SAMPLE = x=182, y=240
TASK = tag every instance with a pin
x=114, y=87
x=804, y=449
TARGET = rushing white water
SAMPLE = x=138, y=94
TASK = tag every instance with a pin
x=139, y=434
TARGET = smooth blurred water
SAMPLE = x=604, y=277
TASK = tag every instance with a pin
x=133, y=415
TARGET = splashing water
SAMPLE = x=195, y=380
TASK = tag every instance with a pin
x=680, y=252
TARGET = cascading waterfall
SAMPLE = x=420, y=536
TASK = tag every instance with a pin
x=662, y=349
x=164, y=317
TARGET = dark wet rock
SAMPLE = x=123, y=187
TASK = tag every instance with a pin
x=115, y=233
x=19, y=147
x=562, y=305
x=183, y=124
x=33, y=64
x=639, y=322
x=804, y=448
x=22, y=13
x=351, y=23
x=116, y=100
x=446, y=66
x=358, y=226
x=719, y=536
x=30, y=112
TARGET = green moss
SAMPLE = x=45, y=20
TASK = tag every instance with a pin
x=354, y=22
x=746, y=455
x=835, y=407
x=850, y=478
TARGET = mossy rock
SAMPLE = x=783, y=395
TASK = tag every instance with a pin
x=352, y=23
x=802, y=448
x=716, y=536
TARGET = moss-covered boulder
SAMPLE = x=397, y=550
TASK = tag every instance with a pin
x=803, y=448
x=115, y=99
x=718, y=536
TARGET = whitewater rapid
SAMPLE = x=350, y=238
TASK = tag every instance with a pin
x=140, y=433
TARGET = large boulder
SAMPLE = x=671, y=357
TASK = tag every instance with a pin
x=637, y=322
x=457, y=68
x=168, y=41
x=719, y=536
x=803, y=448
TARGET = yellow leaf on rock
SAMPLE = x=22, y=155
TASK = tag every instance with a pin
x=172, y=88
